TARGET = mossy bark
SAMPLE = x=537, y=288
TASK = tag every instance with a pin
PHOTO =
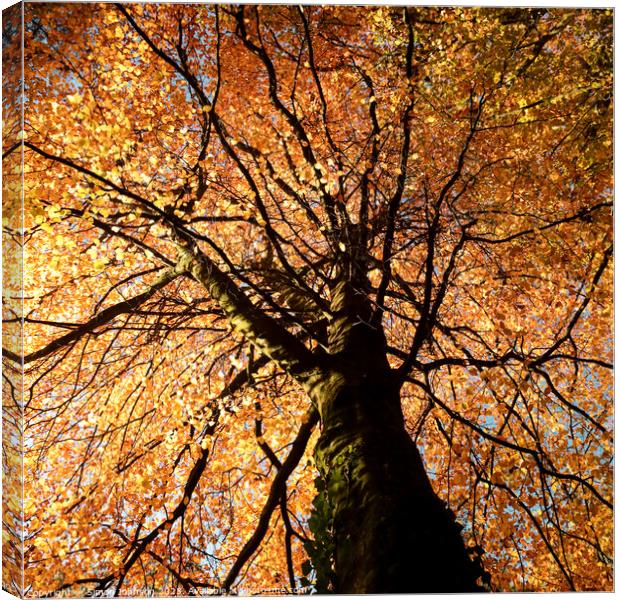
x=391, y=533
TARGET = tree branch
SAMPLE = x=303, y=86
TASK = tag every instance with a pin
x=292, y=460
x=262, y=331
x=105, y=316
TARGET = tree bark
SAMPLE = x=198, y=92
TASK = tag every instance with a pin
x=390, y=531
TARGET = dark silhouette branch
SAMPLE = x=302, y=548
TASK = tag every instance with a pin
x=102, y=318
x=298, y=448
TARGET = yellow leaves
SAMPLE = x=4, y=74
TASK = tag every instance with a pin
x=120, y=255
x=75, y=99
x=100, y=264
x=104, y=211
x=40, y=543
x=64, y=241
x=54, y=212
x=143, y=483
x=110, y=18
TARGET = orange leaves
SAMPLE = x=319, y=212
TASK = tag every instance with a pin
x=196, y=150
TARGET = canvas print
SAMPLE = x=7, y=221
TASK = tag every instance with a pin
x=306, y=299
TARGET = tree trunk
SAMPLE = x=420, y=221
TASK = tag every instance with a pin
x=390, y=532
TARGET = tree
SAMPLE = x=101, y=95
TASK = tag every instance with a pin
x=318, y=297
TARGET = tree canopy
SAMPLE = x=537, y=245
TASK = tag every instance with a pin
x=195, y=179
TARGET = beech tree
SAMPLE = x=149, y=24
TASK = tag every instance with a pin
x=315, y=299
